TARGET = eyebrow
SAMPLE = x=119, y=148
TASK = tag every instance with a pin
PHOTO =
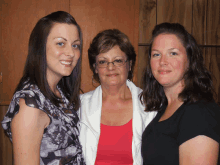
x=172, y=48
x=168, y=49
x=66, y=39
x=107, y=58
x=60, y=37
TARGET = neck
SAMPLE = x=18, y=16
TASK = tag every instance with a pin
x=172, y=94
x=53, y=85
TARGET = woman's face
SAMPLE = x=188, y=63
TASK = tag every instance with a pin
x=112, y=75
x=169, y=60
x=62, y=50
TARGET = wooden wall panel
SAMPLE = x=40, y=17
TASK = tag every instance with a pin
x=218, y=62
x=213, y=38
x=0, y=48
x=135, y=37
x=213, y=22
x=179, y=11
x=211, y=58
x=18, y=20
x=142, y=63
x=96, y=15
x=199, y=20
x=5, y=143
x=147, y=20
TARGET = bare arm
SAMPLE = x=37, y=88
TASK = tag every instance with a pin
x=200, y=150
x=27, y=130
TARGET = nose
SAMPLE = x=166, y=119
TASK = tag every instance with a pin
x=70, y=51
x=110, y=65
x=163, y=60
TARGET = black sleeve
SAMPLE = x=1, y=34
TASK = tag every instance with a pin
x=200, y=118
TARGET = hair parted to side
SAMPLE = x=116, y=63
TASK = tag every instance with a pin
x=106, y=40
x=36, y=64
x=198, y=81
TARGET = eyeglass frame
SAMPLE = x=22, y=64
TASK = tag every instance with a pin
x=112, y=63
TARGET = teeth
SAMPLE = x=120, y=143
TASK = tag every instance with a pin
x=65, y=62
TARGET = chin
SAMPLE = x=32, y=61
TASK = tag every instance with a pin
x=111, y=83
x=66, y=74
x=116, y=83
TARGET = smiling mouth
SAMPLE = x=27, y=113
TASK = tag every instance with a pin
x=66, y=62
x=164, y=72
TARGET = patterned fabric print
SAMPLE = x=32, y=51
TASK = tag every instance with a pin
x=60, y=144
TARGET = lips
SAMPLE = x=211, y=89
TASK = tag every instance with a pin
x=112, y=75
x=164, y=71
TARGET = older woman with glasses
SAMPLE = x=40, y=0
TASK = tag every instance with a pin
x=112, y=116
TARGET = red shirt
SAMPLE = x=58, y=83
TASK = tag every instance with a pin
x=115, y=145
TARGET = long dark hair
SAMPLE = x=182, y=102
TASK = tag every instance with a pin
x=36, y=65
x=106, y=40
x=198, y=82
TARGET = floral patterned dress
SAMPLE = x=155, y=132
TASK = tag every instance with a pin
x=60, y=144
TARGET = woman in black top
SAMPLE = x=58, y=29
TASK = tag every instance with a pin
x=176, y=83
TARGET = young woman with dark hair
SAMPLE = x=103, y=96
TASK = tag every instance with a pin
x=42, y=119
x=177, y=84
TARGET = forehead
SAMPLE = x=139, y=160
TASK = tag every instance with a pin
x=112, y=53
x=68, y=31
x=167, y=40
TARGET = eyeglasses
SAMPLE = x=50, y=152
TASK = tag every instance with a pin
x=117, y=63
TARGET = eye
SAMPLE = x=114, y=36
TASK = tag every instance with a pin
x=119, y=61
x=173, y=53
x=101, y=62
x=60, y=43
x=155, y=55
x=77, y=46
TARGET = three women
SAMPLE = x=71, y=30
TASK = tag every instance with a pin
x=42, y=116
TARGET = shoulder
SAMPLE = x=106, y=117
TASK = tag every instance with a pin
x=201, y=114
x=200, y=118
x=202, y=108
x=31, y=94
x=31, y=99
x=30, y=116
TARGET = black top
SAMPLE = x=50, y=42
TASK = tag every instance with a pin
x=161, y=140
x=60, y=143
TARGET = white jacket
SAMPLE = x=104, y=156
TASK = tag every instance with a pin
x=90, y=117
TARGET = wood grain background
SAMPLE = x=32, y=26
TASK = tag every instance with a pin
x=136, y=18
